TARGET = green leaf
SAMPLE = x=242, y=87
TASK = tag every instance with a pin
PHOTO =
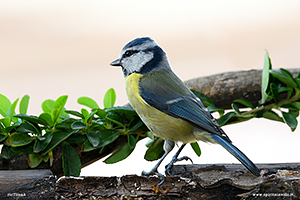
x=126, y=112
x=212, y=109
x=70, y=161
x=76, y=138
x=135, y=124
x=28, y=128
x=18, y=139
x=93, y=138
x=75, y=113
x=86, y=101
x=77, y=125
x=34, y=160
x=196, y=148
x=115, y=118
x=287, y=80
x=11, y=109
x=23, y=149
x=24, y=104
x=2, y=137
x=109, y=98
x=236, y=109
x=5, y=121
x=58, y=107
x=6, y=152
x=32, y=119
x=265, y=78
x=274, y=92
x=290, y=120
x=296, y=105
x=206, y=101
x=244, y=102
x=48, y=106
x=120, y=154
x=107, y=137
x=225, y=118
x=58, y=137
x=289, y=75
x=41, y=145
x=100, y=112
x=131, y=141
x=46, y=117
x=272, y=116
x=85, y=115
x=4, y=105
x=155, y=150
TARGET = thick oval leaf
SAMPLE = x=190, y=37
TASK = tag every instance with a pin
x=6, y=152
x=244, y=102
x=24, y=104
x=196, y=148
x=41, y=145
x=128, y=113
x=224, y=119
x=32, y=119
x=109, y=98
x=18, y=139
x=115, y=118
x=34, y=160
x=135, y=124
x=131, y=141
x=119, y=155
x=100, y=112
x=4, y=105
x=48, y=106
x=57, y=138
x=46, y=117
x=29, y=128
x=77, y=125
x=75, y=113
x=272, y=116
x=93, y=138
x=5, y=121
x=23, y=149
x=155, y=150
x=107, y=137
x=70, y=161
x=290, y=120
x=86, y=101
x=76, y=138
x=289, y=75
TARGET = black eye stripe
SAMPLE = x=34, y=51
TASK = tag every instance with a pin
x=129, y=53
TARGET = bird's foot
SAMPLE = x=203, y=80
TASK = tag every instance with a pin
x=174, y=160
x=154, y=172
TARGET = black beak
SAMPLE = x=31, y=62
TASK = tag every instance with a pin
x=116, y=62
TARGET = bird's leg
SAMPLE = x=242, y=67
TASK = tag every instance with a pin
x=168, y=146
x=175, y=159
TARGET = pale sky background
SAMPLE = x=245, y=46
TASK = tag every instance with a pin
x=52, y=48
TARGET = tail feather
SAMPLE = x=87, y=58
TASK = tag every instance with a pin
x=238, y=154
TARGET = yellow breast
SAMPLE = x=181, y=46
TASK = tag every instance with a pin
x=159, y=123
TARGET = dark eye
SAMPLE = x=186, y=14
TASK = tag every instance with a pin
x=129, y=53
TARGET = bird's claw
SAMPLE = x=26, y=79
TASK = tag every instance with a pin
x=174, y=160
x=154, y=173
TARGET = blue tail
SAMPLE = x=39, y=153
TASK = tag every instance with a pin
x=237, y=153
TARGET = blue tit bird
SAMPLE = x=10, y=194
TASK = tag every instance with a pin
x=166, y=106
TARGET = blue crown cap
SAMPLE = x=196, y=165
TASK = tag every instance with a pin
x=137, y=41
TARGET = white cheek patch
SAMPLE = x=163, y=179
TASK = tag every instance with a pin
x=137, y=61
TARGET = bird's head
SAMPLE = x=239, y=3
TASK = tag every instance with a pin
x=141, y=55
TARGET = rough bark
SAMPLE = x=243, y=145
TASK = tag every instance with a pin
x=220, y=181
